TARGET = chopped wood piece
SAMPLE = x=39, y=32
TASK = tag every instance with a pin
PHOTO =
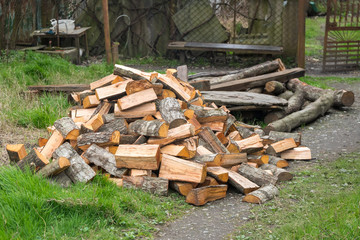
x=250, y=144
x=177, y=169
x=137, y=99
x=182, y=187
x=200, y=196
x=209, y=160
x=235, y=135
x=197, y=101
x=299, y=153
x=42, y=141
x=154, y=185
x=170, y=111
x=137, y=86
x=67, y=127
x=181, y=132
x=62, y=179
x=53, y=143
x=278, y=136
x=219, y=173
x=279, y=162
x=55, y=167
x=280, y=173
x=138, y=156
x=280, y=146
x=242, y=184
x=16, y=152
x=34, y=160
x=209, y=115
x=260, y=160
x=229, y=160
x=78, y=171
x=215, y=126
x=118, y=181
x=256, y=175
x=182, y=72
x=118, y=124
x=102, y=109
x=197, y=126
x=252, y=164
x=262, y=195
x=244, y=132
x=136, y=112
x=140, y=173
x=210, y=138
x=103, y=139
x=91, y=101
x=94, y=123
x=108, y=80
x=84, y=94
x=201, y=150
x=167, y=93
x=176, y=151
x=113, y=91
x=154, y=128
x=274, y=87
x=232, y=147
x=129, y=72
x=209, y=181
x=104, y=159
x=191, y=145
x=221, y=137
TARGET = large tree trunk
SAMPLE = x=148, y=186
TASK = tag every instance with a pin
x=342, y=98
x=310, y=113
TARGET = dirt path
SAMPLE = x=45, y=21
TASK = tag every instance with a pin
x=336, y=133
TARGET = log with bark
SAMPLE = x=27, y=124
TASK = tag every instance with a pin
x=138, y=156
x=200, y=196
x=16, y=152
x=55, y=167
x=34, y=160
x=67, y=127
x=103, y=139
x=154, y=128
x=256, y=175
x=281, y=174
x=262, y=195
x=154, y=185
x=170, y=111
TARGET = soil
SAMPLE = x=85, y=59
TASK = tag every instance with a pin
x=333, y=135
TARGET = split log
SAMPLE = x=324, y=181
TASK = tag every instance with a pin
x=62, y=179
x=209, y=181
x=182, y=187
x=67, y=127
x=170, y=111
x=132, y=73
x=181, y=132
x=90, y=101
x=128, y=139
x=141, y=140
x=229, y=160
x=177, y=169
x=137, y=86
x=200, y=196
x=232, y=147
x=102, y=109
x=167, y=93
x=16, y=152
x=191, y=145
x=252, y=164
x=201, y=150
x=55, y=167
x=137, y=99
x=250, y=144
x=210, y=139
x=52, y=144
x=34, y=160
x=281, y=146
x=260, y=160
x=93, y=124
x=244, y=132
x=299, y=153
x=281, y=174
x=182, y=91
x=197, y=126
x=118, y=124
x=154, y=185
x=229, y=123
x=140, y=173
x=182, y=72
x=235, y=135
x=220, y=135
x=209, y=160
x=242, y=184
x=104, y=159
x=118, y=181
x=310, y=113
x=176, y=151
x=84, y=94
x=274, y=87
x=112, y=92
x=256, y=175
x=136, y=112
x=216, y=127
x=103, y=139
x=219, y=173
x=278, y=136
x=262, y=195
x=209, y=115
x=342, y=98
x=138, y=156
x=279, y=162
x=78, y=171
x=105, y=81
x=154, y=128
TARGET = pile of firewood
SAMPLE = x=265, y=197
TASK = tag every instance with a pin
x=268, y=87
x=152, y=131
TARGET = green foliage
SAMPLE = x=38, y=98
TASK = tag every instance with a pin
x=320, y=203
x=314, y=36
x=33, y=208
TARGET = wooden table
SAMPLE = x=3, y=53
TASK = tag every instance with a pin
x=76, y=35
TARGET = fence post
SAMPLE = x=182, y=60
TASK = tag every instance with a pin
x=106, y=30
x=301, y=35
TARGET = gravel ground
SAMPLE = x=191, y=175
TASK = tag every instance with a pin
x=336, y=133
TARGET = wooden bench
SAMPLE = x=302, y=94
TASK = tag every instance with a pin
x=224, y=47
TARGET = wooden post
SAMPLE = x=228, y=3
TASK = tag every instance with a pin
x=115, y=52
x=106, y=30
x=301, y=35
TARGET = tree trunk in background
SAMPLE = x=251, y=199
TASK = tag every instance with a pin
x=17, y=20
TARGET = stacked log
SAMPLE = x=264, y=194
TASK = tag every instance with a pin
x=140, y=137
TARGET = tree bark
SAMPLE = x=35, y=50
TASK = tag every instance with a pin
x=342, y=98
x=210, y=139
x=62, y=179
x=310, y=113
x=103, y=139
x=34, y=160
x=154, y=185
x=67, y=127
x=209, y=160
x=256, y=175
x=16, y=152
x=170, y=111
x=278, y=136
x=279, y=162
x=200, y=196
x=274, y=87
x=242, y=184
x=281, y=174
x=262, y=195
x=118, y=124
x=55, y=167
x=154, y=128
x=208, y=115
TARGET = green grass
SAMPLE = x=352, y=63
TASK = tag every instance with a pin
x=33, y=208
x=321, y=203
x=314, y=36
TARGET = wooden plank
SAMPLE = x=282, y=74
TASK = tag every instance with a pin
x=60, y=88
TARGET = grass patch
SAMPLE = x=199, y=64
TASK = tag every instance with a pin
x=33, y=208
x=321, y=203
x=314, y=36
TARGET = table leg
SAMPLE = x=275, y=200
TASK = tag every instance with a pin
x=86, y=46
x=77, y=45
